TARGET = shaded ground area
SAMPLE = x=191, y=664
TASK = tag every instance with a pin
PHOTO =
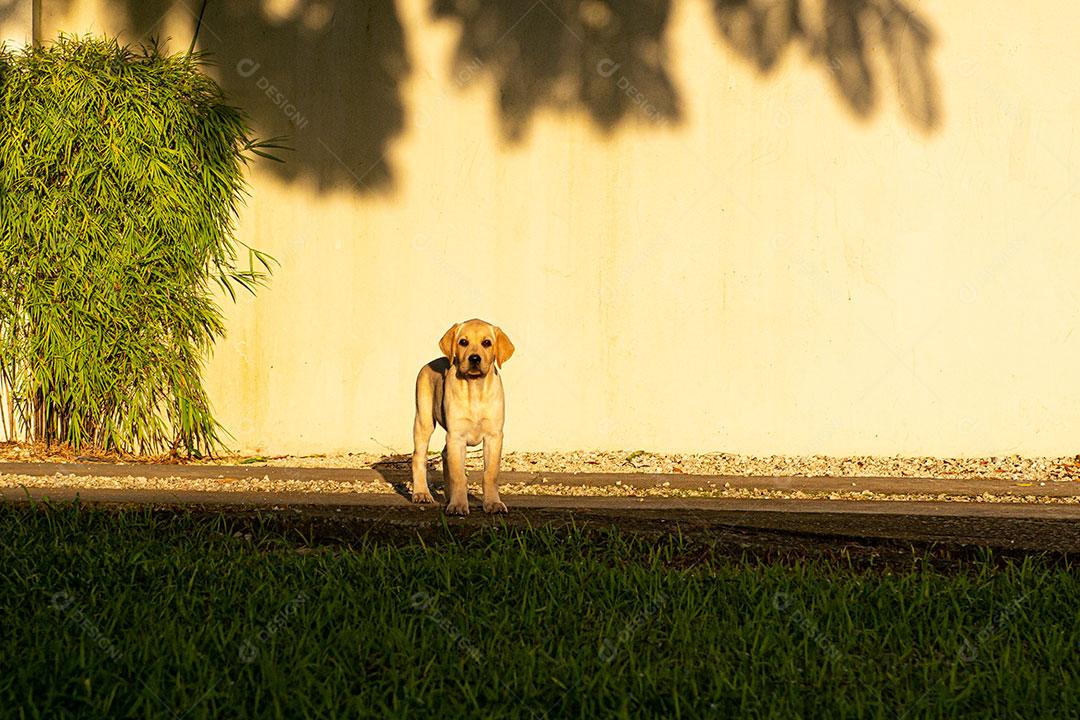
x=768, y=518
x=866, y=533
x=710, y=536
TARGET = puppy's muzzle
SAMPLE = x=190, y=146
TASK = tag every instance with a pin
x=474, y=361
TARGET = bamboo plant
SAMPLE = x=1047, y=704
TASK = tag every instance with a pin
x=121, y=170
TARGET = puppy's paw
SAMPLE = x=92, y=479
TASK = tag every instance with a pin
x=422, y=497
x=494, y=506
x=460, y=507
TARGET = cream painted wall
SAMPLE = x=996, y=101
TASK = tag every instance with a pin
x=16, y=23
x=769, y=275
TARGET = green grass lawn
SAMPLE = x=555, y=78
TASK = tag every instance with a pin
x=142, y=615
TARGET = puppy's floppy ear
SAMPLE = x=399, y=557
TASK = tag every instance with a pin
x=503, y=347
x=447, y=342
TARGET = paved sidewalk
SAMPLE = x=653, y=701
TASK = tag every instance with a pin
x=397, y=474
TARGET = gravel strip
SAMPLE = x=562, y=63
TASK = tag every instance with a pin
x=1013, y=467
x=541, y=488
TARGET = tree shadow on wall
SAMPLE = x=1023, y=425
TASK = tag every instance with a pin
x=325, y=75
x=329, y=78
x=8, y=8
x=328, y=73
x=610, y=58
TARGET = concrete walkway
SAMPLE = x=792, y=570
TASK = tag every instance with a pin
x=398, y=473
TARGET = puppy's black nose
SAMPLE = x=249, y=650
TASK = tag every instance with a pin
x=474, y=359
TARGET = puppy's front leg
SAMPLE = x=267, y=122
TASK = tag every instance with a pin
x=457, y=487
x=492, y=457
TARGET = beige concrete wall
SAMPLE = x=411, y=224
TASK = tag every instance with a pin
x=770, y=273
x=16, y=23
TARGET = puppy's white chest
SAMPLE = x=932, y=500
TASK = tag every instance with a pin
x=474, y=413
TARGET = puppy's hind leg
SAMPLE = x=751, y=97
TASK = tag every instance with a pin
x=423, y=427
x=421, y=437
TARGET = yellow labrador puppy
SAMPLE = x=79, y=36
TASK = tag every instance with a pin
x=462, y=392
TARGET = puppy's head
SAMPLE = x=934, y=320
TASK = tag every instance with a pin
x=475, y=346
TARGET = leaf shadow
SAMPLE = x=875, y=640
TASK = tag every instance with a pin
x=609, y=59
x=840, y=35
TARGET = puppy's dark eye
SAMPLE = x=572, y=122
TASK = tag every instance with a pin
x=486, y=343
x=463, y=342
